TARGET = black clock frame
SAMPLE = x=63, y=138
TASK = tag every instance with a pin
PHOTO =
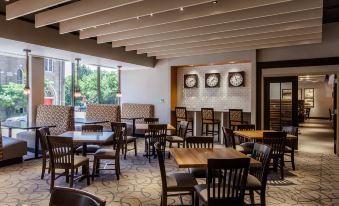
x=191, y=75
x=210, y=74
x=230, y=74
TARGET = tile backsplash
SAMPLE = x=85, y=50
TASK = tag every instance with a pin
x=221, y=98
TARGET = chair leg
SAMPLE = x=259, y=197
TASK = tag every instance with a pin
x=192, y=195
x=135, y=148
x=71, y=178
x=88, y=174
x=281, y=165
x=43, y=168
x=252, y=197
x=94, y=168
x=67, y=175
x=218, y=130
x=117, y=169
x=263, y=197
x=52, y=180
x=125, y=152
x=196, y=200
x=292, y=160
x=163, y=200
x=202, y=129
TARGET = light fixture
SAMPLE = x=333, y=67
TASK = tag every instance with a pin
x=151, y=14
x=214, y=2
x=77, y=92
x=138, y=17
x=181, y=8
x=27, y=90
x=119, y=95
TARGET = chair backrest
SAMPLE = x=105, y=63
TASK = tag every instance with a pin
x=92, y=128
x=245, y=127
x=199, y=142
x=235, y=117
x=61, y=116
x=207, y=113
x=229, y=138
x=276, y=140
x=293, y=142
x=42, y=135
x=61, y=151
x=181, y=113
x=73, y=197
x=158, y=133
x=262, y=153
x=118, y=136
x=162, y=167
x=103, y=112
x=151, y=120
x=226, y=181
x=182, y=131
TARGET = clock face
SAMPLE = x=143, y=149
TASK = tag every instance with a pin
x=191, y=80
x=212, y=80
x=236, y=79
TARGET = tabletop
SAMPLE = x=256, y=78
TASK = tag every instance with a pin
x=197, y=157
x=89, y=121
x=145, y=127
x=131, y=118
x=88, y=137
x=25, y=125
x=258, y=134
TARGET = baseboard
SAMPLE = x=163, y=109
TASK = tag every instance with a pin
x=319, y=118
x=8, y=162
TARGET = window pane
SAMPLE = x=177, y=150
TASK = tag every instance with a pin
x=13, y=102
x=108, y=85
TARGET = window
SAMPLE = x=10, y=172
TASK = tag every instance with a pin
x=108, y=85
x=48, y=65
x=13, y=102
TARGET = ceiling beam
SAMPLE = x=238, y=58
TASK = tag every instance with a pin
x=166, y=38
x=240, y=44
x=177, y=43
x=174, y=16
x=300, y=5
x=24, y=7
x=77, y=9
x=254, y=47
x=235, y=39
x=142, y=8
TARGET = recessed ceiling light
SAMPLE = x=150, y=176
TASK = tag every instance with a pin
x=138, y=17
x=181, y=8
x=214, y=2
x=151, y=14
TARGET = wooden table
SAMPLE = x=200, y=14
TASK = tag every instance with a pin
x=257, y=134
x=87, y=138
x=89, y=121
x=144, y=127
x=133, y=119
x=197, y=157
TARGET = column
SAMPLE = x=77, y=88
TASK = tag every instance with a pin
x=36, y=83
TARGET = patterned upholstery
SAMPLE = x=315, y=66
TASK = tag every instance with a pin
x=137, y=110
x=235, y=116
x=180, y=113
x=207, y=113
x=103, y=112
x=61, y=116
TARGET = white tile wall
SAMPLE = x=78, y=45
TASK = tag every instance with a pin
x=222, y=98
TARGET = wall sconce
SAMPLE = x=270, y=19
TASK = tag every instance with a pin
x=27, y=90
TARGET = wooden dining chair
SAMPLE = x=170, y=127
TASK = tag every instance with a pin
x=91, y=148
x=229, y=141
x=175, y=184
x=151, y=120
x=42, y=136
x=207, y=119
x=225, y=183
x=61, y=153
x=242, y=141
x=277, y=141
x=180, y=137
x=235, y=117
x=291, y=144
x=199, y=142
x=155, y=133
x=110, y=154
x=62, y=196
x=126, y=140
x=181, y=115
x=257, y=178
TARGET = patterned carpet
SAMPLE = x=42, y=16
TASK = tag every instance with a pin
x=315, y=182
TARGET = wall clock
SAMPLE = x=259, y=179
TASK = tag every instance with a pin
x=190, y=81
x=236, y=79
x=212, y=80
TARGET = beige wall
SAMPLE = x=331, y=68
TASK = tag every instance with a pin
x=36, y=81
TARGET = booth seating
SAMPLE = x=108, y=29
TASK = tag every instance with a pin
x=131, y=110
x=60, y=116
x=11, y=150
x=104, y=112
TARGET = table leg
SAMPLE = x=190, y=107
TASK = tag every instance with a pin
x=84, y=149
x=133, y=129
x=84, y=152
x=9, y=132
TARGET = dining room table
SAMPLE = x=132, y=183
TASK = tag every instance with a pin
x=133, y=119
x=198, y=157
x=258, y=135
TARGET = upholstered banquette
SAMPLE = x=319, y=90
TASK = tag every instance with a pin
x=131, y=110
x=104, y=112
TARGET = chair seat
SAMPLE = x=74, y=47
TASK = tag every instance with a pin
x=243, y=149
x=201, y=191
x=248, y=144
x=198, y=172
x=105, y=153
x=80, y=160
x=288, y=149
x=130, y=139
x=207, y=121
x=13, y=148
x=175, y=139
x=90, y=148
x=253, y=182
x=182, y=119
x=180, y=182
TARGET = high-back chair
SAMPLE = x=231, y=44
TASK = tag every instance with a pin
x=257, y=178
x=152, y=120
x=235, y=117
x=291, y=144
x=276, y=140
x=73, y=197
x=225, y=182
x=127, y=140
x=229, y=140
x=176, y=184
x=42, y=135
x=207, y=120
x=181, y=115
x=199, y=142
x=180, y=137
x=61, y=151
x=155, y=133
x=242, y=141
x=92, y=148
x=110, y=154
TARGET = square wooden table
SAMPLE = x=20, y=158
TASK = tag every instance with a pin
x=197, y=157
x=258, y=134
x=87, y=138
